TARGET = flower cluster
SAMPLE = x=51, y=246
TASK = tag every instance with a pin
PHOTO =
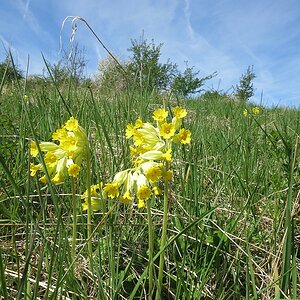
x=151, y=154
x=64, y=155
x=256, y=110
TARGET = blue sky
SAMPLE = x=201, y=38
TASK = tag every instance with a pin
x=222, y=36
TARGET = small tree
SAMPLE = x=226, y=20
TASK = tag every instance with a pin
x=145, y=68
x=245, y=89
x=112, y=76
x=74, y=61
x=187, y=83
x=9, y=70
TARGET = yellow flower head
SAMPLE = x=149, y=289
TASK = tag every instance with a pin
x=156, y=191
x=245, y=112
x=126, y=198
x=138, y=123
x=256, y=110
x=33, y=149
x=59, y=134
x=95, y=204
x=43, y=179
x=130, y=131
x=168, y=155
x=112, y=189
x=153, y=173
x=167, y=130
x=73, y=170
x=167, y=175
x=72, y=124
x=96, y=197
x=138, y=138
x=50, y=160
x=58, y=178
x=34, y=168
x=141, y=203
x=160, y=115
x=179, y=112
x=143, y=193
x=183, y=136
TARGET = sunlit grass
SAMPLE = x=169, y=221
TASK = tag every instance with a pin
x=233, y=209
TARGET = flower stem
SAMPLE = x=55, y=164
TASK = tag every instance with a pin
x=74, y=229
x=163, y=240
x=89, y=210
x=150, y=237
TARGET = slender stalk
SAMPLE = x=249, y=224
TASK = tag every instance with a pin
x=163, y=241
x=150, y=243
x=74, y=225
x=89, y=210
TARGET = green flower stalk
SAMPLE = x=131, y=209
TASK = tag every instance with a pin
x=62, y=158
x=151, y=155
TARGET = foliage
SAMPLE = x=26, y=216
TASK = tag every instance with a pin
x=71, y=65
x=187, y=83
x=9, y=71
x=145, y=71
x=245, y=89
x=112, y=77
x=146, y=68
x=232, y=225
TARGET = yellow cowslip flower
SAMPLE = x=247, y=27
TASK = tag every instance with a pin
x=167, y=175
x=69, y=144
x=183, y=136
x=48, y=146
x=126, y=197
x=160, y=115
x=65, y=156
x=143, y=193
x=95, y=204
x=73, y=170
x=34, y=168
x=138, y=123
x=179, y=112
x=112, y=189
x=59, y=134
x=138, y=138
x=94, y=189
x=120, y=177
x=157, y=155
x=130, y=131
x=141, y=203
x=256, y=110
x=50, y=160
x=152, y=155
x=72, y=124
x=58, y=178
x=156, y=190
x=33, y=149
x=245, y=112
x=150, y=134
x=43, y=179
x=168, y=155
x=96, y=197
x=167, y=130
x=153, y=173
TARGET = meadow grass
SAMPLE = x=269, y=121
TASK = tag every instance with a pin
x=233, y=211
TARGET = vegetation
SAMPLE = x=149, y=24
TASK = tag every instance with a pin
x=231, y=217
x=145, y=71
x=245, y=90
